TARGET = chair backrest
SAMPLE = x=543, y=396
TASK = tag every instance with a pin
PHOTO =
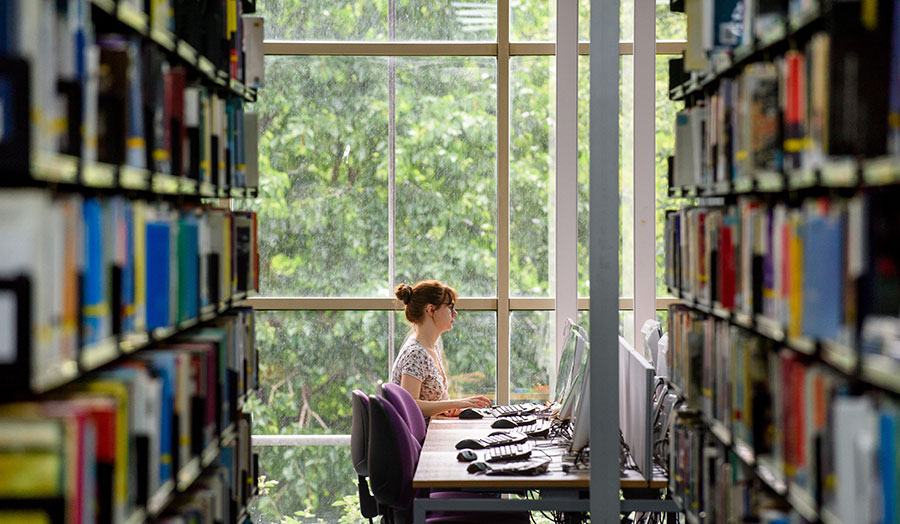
x=359, y=452
x=393, y=457
x=359, y=433
x=406, y=405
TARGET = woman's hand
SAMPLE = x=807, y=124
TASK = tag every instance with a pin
x=454, y=412
x=478, y=401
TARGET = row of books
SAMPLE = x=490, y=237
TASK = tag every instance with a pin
x=211, y=500
x=789, y=414
x=821, y=267
x=717, y=486
x=83, y=271
x=828, y=98
x=128, y=437
x=101, y=95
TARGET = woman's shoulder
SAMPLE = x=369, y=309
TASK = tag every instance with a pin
x=412, y=345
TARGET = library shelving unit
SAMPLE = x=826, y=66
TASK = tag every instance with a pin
x=126, y=356
x=782, y=347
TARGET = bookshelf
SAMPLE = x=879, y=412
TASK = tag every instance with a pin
x=780, y=348
x=126, y=355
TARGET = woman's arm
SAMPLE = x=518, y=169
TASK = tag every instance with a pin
x=431, y=408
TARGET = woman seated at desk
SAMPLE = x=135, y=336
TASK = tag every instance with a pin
x=430, y=307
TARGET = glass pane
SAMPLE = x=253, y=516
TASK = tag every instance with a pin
x=584, y=20
x=626, y=326
x=470, y=349
x=304, y=483
x=626, y=20
x=669, y=25
x=531, y=175
x=323, y=177
x=309, y=362
x=532, y=355
x=665, y=146
x=532, y=20
x=446, y=173
x=338, y=20
x=626, y=322
x=469, y=20
x=626, y=170
x=367, y=20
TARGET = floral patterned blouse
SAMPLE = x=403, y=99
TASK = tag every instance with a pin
x=415, y=361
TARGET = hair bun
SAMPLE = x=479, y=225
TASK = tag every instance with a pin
x=404, y=293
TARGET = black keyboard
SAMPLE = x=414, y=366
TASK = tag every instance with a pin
x=509, y=452
x=540, y=428
x=500, y=439
x=514, y=410
x=512, y=422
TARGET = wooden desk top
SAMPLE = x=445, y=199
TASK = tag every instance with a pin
x=438, y=467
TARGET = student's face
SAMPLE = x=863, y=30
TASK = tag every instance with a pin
x=444, y=315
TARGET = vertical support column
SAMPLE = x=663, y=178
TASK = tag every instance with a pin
x=566, y=167
x=392, y=174
x=604, y=206
x=503, y=201
x=644, y=165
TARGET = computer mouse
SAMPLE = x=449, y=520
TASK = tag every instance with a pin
x=477, y=467
x=466, y=455
x=468, y=443
x=503, y=423
x=470, y=413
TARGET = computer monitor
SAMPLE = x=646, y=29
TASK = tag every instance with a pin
x=575, y=382
x=636, y=383
x=650, y=334
x=566, y=364
x=581, y=435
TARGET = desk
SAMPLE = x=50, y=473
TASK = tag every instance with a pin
x=560, y=491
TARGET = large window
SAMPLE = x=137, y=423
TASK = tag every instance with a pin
x=384, y=148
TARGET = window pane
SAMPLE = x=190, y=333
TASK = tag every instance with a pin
x=532, y=20
x=531, y=173
x=367, y=20
x=532, y=356
x=626, y=323
x=325, y=19
x=626, y=326
x=626, y=170
x=459, y=20
x=302, y=484
x=626, y=20
x=665, y=146
x=446, y=173
x=669, y=25
x=323, y=177
x=470, y=349
x=309, y=362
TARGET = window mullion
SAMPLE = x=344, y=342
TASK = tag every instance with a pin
x=503, y=202
x=644, y=165
x=392, y=172
x=566, y=249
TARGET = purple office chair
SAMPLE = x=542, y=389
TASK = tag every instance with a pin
x=392, y=465
x=359, y=452
x=406, y=405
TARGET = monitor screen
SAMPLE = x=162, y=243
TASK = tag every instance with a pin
x=566, y=363
x=582, y=419
x=636, y=384
x=573, y=389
